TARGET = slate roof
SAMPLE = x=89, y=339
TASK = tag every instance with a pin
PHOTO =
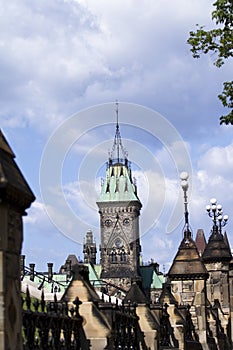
x=136, y=295
x=80, y=285
x=166, y=296
x=74, y=261
x=200, y=241
x=217, y=248
x=227, y=241
x=13, y=185
x=4, y=145
x=187, y=262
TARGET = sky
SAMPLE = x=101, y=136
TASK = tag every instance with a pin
x=64, y=64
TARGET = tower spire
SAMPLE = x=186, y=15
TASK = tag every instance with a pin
x=118, y=133
x=118, y=150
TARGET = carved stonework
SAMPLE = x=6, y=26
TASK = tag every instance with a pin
x=120, y=248
x=14, y=231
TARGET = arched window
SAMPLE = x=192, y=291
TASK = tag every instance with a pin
x=114, y=256
x=123, y=256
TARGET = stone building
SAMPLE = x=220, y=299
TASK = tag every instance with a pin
x=190, y=308
x=200, y=283
x=197, y=294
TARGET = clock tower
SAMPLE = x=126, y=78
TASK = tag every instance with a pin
x=119, y=209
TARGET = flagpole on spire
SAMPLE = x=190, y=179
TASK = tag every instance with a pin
x=117, y=133
x=117, y=104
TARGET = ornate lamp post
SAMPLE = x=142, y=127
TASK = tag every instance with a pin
x=184, y=184
x=215, y=212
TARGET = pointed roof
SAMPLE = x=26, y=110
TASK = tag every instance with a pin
x=13, y=185
x=80, y=285
x=187, y=262
x=227, y=241
x=200, y=241
x=73, y=259
x=118, y=185
x=4, y=145
x=217, y=248
x=118, y=151
x=136, y=295
x=166, y=296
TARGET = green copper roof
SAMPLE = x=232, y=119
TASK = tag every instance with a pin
x=58, y=280
x=150, y=278
x=118, y=185
x=93, y=277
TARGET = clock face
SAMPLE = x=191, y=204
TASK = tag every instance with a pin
x=118, y=243
x=126, y=221
x=108, y=222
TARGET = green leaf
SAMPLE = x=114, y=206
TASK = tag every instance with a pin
x=218, y=41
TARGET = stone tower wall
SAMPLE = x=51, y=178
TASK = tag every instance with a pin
x=218, y=283
x=120, y=248
x=10, y=296
x=15, y=198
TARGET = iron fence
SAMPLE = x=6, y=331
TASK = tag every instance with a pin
x=51, y=325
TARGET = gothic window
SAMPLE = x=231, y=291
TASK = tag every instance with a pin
x=123, y=256
x=114, y=257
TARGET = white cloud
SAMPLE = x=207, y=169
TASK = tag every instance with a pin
x=213, y=179
x=37, y=215
x=59, y=56
x=88, y=52
x=218, y=160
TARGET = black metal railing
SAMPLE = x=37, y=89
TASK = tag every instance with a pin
x=50, y=325
x=125, y=326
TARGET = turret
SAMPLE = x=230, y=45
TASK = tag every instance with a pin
x=188, y=274
x=217, y=257
x=119, y=209
x=89, y=249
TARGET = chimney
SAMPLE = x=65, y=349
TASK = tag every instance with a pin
x=50, y=271
x=22, y=264
x=68, y=269
x=32, y=271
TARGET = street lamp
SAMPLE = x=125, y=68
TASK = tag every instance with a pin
x=184, y=184
x=215, y=212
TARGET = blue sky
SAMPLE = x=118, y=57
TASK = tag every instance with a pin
x=65, y=62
